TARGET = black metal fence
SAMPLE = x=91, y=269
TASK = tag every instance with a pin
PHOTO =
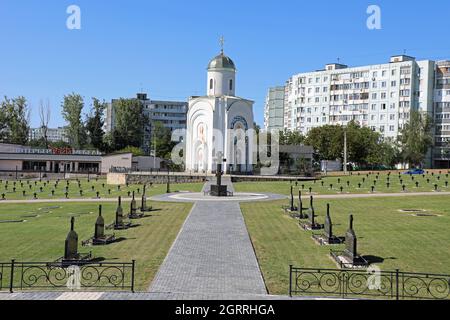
x=104, y=276
x=347, y=283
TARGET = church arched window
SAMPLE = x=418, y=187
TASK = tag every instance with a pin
x=231, y=84
x=210, y=84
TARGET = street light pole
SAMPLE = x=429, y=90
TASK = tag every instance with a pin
x=154, y=148
x=345, y=150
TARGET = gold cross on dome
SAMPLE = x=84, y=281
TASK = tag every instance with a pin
x=222, y=42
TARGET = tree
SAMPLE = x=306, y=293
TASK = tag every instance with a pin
x=416, y=138
x=134, y=150
x=44, y=116
x=288, y=137
x=161, y=140
x=14, y=121
x=363, y=144
x=327, y=142
x=129, y=123
x=94, y=124
x=385, y=153
x=71, y=110
x=361, y=141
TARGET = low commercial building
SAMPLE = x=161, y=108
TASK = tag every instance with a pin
x=55, y=160
x=296, y=158
x=127, y=161
x=67, y=160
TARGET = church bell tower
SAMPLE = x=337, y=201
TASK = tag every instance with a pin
x=221, y=75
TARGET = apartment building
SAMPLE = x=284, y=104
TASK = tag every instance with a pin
x=379, y=96
x=274, y=109
x=53, y=134
x=172, y=114
x=441, y=153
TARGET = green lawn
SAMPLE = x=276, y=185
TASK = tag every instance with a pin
x=323, y=186
x=41, y=239
x=406, y=242
x=105, y=190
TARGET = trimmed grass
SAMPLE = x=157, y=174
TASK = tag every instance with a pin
x=41, y=238
x=403, y=241
x=426, y=184
x=33, y=186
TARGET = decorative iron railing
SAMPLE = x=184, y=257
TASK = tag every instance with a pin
x=104, y=276
x=347, y=283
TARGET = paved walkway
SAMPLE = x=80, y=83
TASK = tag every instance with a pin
x=145, y=296
x=271, y=197
x=212, y=254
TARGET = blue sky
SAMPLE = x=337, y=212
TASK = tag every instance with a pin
x=164, y=46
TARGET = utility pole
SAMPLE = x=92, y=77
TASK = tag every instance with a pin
x=154, y=147
x=345, y=150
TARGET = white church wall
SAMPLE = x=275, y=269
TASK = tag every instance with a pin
x=199, y=135
x=241, y=111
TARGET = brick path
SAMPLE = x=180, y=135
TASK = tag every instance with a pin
x=212, y=254
x=143, y=296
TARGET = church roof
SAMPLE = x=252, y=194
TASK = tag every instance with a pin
x=221, y=62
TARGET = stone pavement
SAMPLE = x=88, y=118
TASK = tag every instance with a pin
x=212, y=254
x=143, y=296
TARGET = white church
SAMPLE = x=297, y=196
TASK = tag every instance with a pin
x=220, y=124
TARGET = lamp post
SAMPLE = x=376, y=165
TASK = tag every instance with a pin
x=345, y=150
x=168, y=176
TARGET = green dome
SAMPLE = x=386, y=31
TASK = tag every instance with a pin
x=221, y=62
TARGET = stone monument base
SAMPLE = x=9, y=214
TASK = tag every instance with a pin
x=80, y=259
x=135, y=215
x=119, y=226
x=102, y=241
x=323, y=240
x=218, y=191
x=307, y=226
x=346, y=262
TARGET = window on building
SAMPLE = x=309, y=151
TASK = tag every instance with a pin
x=231, y=84
x=210, y=84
